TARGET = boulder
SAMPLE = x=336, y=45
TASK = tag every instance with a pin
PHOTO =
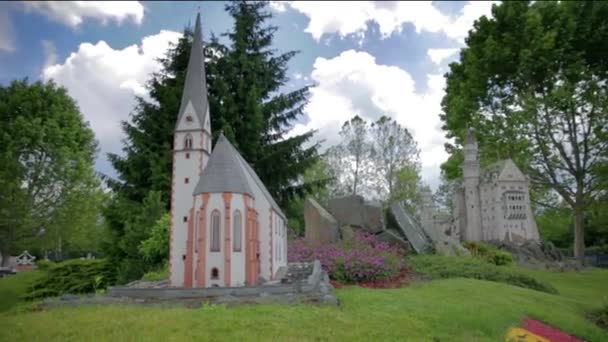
x=393, y=238
x=410, y=228
x=320, y=225
x=347, y=233
x=448, y=246
x=354, y=211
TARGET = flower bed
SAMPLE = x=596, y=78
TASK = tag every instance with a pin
x=363, y=260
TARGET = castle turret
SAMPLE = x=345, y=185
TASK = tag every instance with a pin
x=191, y=150
x=470, y=171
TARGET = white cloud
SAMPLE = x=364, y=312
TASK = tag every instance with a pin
x=352, y=18
x=354, y=84
x=50, y=53
x=297, y=76
x=72, y=13
x=439, y=55
x=7, y=33
x=104, y=81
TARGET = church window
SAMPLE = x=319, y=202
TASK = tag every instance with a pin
x=237, y=232
x=189, y=118
x=187, y=155
x=186, y=180
x=215, y=231
x=215, y=273
x=188, y=142
x=185, y=218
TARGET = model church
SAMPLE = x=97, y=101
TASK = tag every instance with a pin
x=492, y=203
x=226, y=229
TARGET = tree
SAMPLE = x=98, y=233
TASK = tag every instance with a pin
x=46, y=163
x=155, y=249
x=407, y=187
x=248, y=107
x=532, y=82
x=351, y=158
x=395, y=157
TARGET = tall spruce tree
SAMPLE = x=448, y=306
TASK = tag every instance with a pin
x=247, y=107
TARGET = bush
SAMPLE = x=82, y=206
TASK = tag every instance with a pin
x=600, y=316
x=453, y=267
x=160, y=274
x=363, y=259
x=489, y=253
x=44, y=264
x=73, y=277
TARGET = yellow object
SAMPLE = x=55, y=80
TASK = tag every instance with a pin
x=523, y=335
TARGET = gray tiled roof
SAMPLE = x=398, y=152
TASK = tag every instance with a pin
x=224, y=172
x=195, y=86
x=227, y=171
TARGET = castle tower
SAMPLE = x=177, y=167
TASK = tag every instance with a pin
x=427, y=213
x=191, y=150
x=470, y=171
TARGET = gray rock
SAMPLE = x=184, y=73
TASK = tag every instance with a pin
x=353, y=211
x=320, y=225
x=347, y=233
x=392, y=237
x=410, y=228
x=330, y=299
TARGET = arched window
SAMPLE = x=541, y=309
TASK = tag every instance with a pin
x=237, y=232
x=215, y=273
x=188, y=142
x=215, y=231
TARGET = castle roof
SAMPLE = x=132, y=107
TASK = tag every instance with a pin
x=227, y=171
x=195, y=86
x=496, y=171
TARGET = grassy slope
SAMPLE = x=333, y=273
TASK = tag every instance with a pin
x=442, y=310
x=14, y=286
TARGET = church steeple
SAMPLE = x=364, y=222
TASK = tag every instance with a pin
x=195, y=86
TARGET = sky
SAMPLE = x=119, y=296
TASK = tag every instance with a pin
x=366, y=58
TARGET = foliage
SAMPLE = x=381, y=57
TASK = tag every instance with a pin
x=73, y=277
x=155, y=249
x=365, y=258
x=489, y=253
x=450, y=267
x=14, y=287
x=161, y=274
x=600, y=316
x=129, y=224
x=44, y=264
x=319, y=174
x=377, y=160
x=46, y=167
x=531, y=82
x=445, y=310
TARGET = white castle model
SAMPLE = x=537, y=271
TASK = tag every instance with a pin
x=492, y=203
x=226, y=229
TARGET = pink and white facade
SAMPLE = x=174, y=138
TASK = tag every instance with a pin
x=226, y=229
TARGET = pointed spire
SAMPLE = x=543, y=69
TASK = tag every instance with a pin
x=195, y=86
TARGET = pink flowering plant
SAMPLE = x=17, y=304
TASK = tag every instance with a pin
x=362, y=259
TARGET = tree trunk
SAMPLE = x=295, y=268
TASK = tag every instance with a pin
x=579, y=236
x=6, y=256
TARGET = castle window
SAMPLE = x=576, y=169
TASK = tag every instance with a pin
x=237, y=232
x=215, y=273
x=187, y=155
x=215, y=231
x=186, y=180
x=188, y=142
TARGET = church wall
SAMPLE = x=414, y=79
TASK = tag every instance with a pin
x=237, y=259
x=214, y=259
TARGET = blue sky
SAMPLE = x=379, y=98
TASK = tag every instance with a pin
x=367, y=58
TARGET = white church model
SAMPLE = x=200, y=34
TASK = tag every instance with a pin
x=226, y=229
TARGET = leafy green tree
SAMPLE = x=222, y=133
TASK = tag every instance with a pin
x=395, y=159
x=46, y=163
x=351, y=159
x=155, y=249
x=531, y=81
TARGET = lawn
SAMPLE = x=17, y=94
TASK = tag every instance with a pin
x=441, y=310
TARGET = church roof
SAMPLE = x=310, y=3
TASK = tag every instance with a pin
x=195, y=86
x=227, y=171
x=224, y=171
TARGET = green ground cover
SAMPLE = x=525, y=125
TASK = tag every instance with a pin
x=454, y=309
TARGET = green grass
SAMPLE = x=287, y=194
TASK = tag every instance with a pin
x=14, y=286
x=455, y=309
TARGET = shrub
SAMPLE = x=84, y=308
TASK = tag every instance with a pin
x=74, y=277
x=453, y=267
x=44, y=264
x=362, y=259
x=489, y=253
x=600, y=316
x=160, y=274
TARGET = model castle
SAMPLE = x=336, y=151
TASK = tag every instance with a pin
x=226, y=229
x=492, y=203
